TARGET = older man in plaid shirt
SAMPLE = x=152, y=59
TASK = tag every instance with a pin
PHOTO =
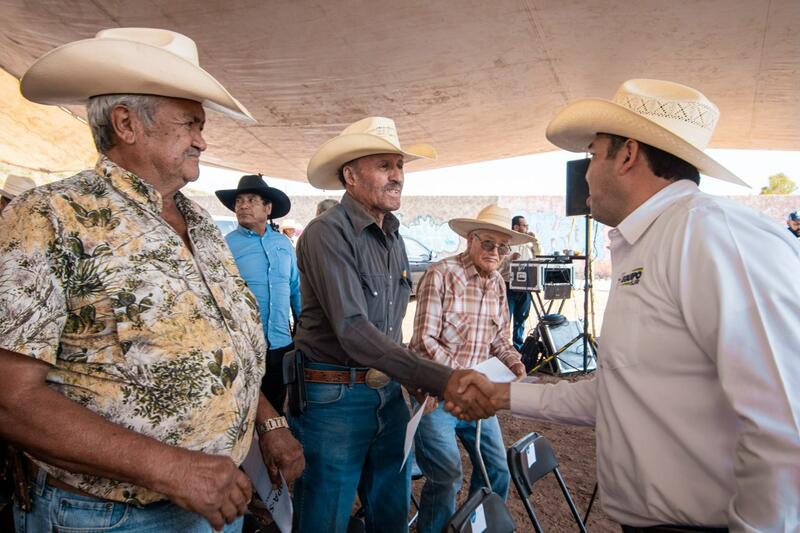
x=462, y=319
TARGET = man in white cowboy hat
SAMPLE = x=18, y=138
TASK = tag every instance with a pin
x=12, y=187
x=463, y=320
x=355, y=285
x=697, y=395
x=130, y=348
x=266, y=260
x=291, y=228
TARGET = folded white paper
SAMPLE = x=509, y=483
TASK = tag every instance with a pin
x=494, y=369
x=278, y=501
x=411, y=429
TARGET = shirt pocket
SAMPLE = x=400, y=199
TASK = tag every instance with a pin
x=454, y=330
x=375, y=294
x=282, y=265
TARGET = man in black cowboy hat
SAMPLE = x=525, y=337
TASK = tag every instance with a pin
x=267, y=262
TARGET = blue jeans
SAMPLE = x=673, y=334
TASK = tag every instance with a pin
x=352, y=438
x=58, y=510
x=519, y=307
x=438, y=456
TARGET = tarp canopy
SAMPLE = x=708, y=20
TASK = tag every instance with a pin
x=478, y=79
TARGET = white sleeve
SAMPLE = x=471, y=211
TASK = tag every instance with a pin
x=739, y=291
x=563, y=402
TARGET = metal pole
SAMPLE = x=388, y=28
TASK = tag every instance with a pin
x=586, y=289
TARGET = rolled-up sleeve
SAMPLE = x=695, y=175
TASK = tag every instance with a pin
x=33, y=307
x=328, y=263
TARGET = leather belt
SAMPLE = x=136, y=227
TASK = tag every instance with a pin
x=373, y=378
x=33, y=471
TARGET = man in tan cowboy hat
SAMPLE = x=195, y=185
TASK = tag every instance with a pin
x=463, y=320
x=131, y=351
x=12, y=187
x=355, y=285
x=697, y=396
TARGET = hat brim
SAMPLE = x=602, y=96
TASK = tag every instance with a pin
x=77, y=71
x=323, y=169
x=464, y=226
x=281, y=205
x=575, y=127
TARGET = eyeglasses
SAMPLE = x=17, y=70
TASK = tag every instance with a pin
x=488, y=246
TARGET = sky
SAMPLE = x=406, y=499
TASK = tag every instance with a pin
x=531, y=175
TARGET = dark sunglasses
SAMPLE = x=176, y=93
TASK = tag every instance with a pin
x=488, y=246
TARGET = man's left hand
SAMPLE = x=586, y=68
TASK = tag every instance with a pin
x=519, y=370
x=282, y=454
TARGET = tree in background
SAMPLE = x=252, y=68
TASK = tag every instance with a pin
x=779, y=184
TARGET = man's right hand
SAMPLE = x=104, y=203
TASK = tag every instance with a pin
x=209, y=485
x=468, y=393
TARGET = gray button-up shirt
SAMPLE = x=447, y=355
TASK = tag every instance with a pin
x=355, y=286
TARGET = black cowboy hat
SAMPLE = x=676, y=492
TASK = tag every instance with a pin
x=255, y=184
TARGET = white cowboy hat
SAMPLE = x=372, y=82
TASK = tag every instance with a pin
x=15, y=185
x=290, y=223
x=372, y=135
x=494, y=218
x=670, y=116
x=127, y=61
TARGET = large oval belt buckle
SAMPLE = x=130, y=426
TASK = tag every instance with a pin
x=375, y=379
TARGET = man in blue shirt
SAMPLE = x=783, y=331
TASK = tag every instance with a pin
x=267, y=262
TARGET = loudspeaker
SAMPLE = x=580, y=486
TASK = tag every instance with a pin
x=556, y=333
x=577, y=188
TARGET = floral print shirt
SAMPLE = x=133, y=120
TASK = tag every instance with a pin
x=137, y=328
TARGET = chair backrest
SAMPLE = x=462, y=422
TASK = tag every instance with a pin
x=529, y=460
x=483, y=511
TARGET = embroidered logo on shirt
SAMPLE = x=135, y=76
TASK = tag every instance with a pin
x=631, y=278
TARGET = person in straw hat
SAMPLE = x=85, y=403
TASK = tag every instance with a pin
x=12, y=187
x=355, y=286
x=131, y=351
x=463, y=320
x=697, y=396
x=266, y=260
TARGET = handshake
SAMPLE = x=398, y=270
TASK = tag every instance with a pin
x=469, y=395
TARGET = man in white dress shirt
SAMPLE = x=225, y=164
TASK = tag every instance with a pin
x=696, y=401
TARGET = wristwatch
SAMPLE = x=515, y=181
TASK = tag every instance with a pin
x=271, y=423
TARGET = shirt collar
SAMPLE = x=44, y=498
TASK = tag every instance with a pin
x=361, y=219
x=635, y=224
x=250, y=233
x=129, y=184
x=471, y=271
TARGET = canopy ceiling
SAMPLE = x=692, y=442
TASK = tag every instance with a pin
x=479, y=80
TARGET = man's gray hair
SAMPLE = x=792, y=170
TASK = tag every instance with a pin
x=99, y=108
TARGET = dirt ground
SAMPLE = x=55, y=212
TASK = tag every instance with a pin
x=575, y=450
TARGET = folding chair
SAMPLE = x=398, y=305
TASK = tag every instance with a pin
x=529, y=460
x=484, y=510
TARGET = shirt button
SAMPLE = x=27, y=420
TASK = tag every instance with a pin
x=390, y=302
x=390, y=328
x=375, y=293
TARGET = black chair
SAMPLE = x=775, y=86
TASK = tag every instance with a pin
x=529, y=460
x=483, y=511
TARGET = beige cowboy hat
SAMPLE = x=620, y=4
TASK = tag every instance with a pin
x=369, y=136
x=14, y=185
x=670, y=116
x=494, y=218
x=127, y=61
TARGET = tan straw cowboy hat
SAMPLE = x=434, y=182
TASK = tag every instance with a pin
x=670, y=116
x=14, y=185
x=369, y=136
x=494, y=218
x=127, y=61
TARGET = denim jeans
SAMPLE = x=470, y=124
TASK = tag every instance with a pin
x=438, y=456
x=58, y=510
x=519, y=307
x=352, y=437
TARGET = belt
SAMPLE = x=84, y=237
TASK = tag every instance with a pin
x=673, y=529
x=33, y=471
x=373, y=378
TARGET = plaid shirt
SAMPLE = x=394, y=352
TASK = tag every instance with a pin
x=462, y=319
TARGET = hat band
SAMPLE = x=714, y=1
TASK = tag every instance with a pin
x=694, y=113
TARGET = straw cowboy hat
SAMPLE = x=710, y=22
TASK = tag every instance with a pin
x=127, y=61
x=255, y=184
x=15, y=185
x=290, y=223
x=372, y=135
x=670, y=116
x=491, y=217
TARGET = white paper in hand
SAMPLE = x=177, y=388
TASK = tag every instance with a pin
x=278, y=501
x=411, y=429
x=494, y=369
